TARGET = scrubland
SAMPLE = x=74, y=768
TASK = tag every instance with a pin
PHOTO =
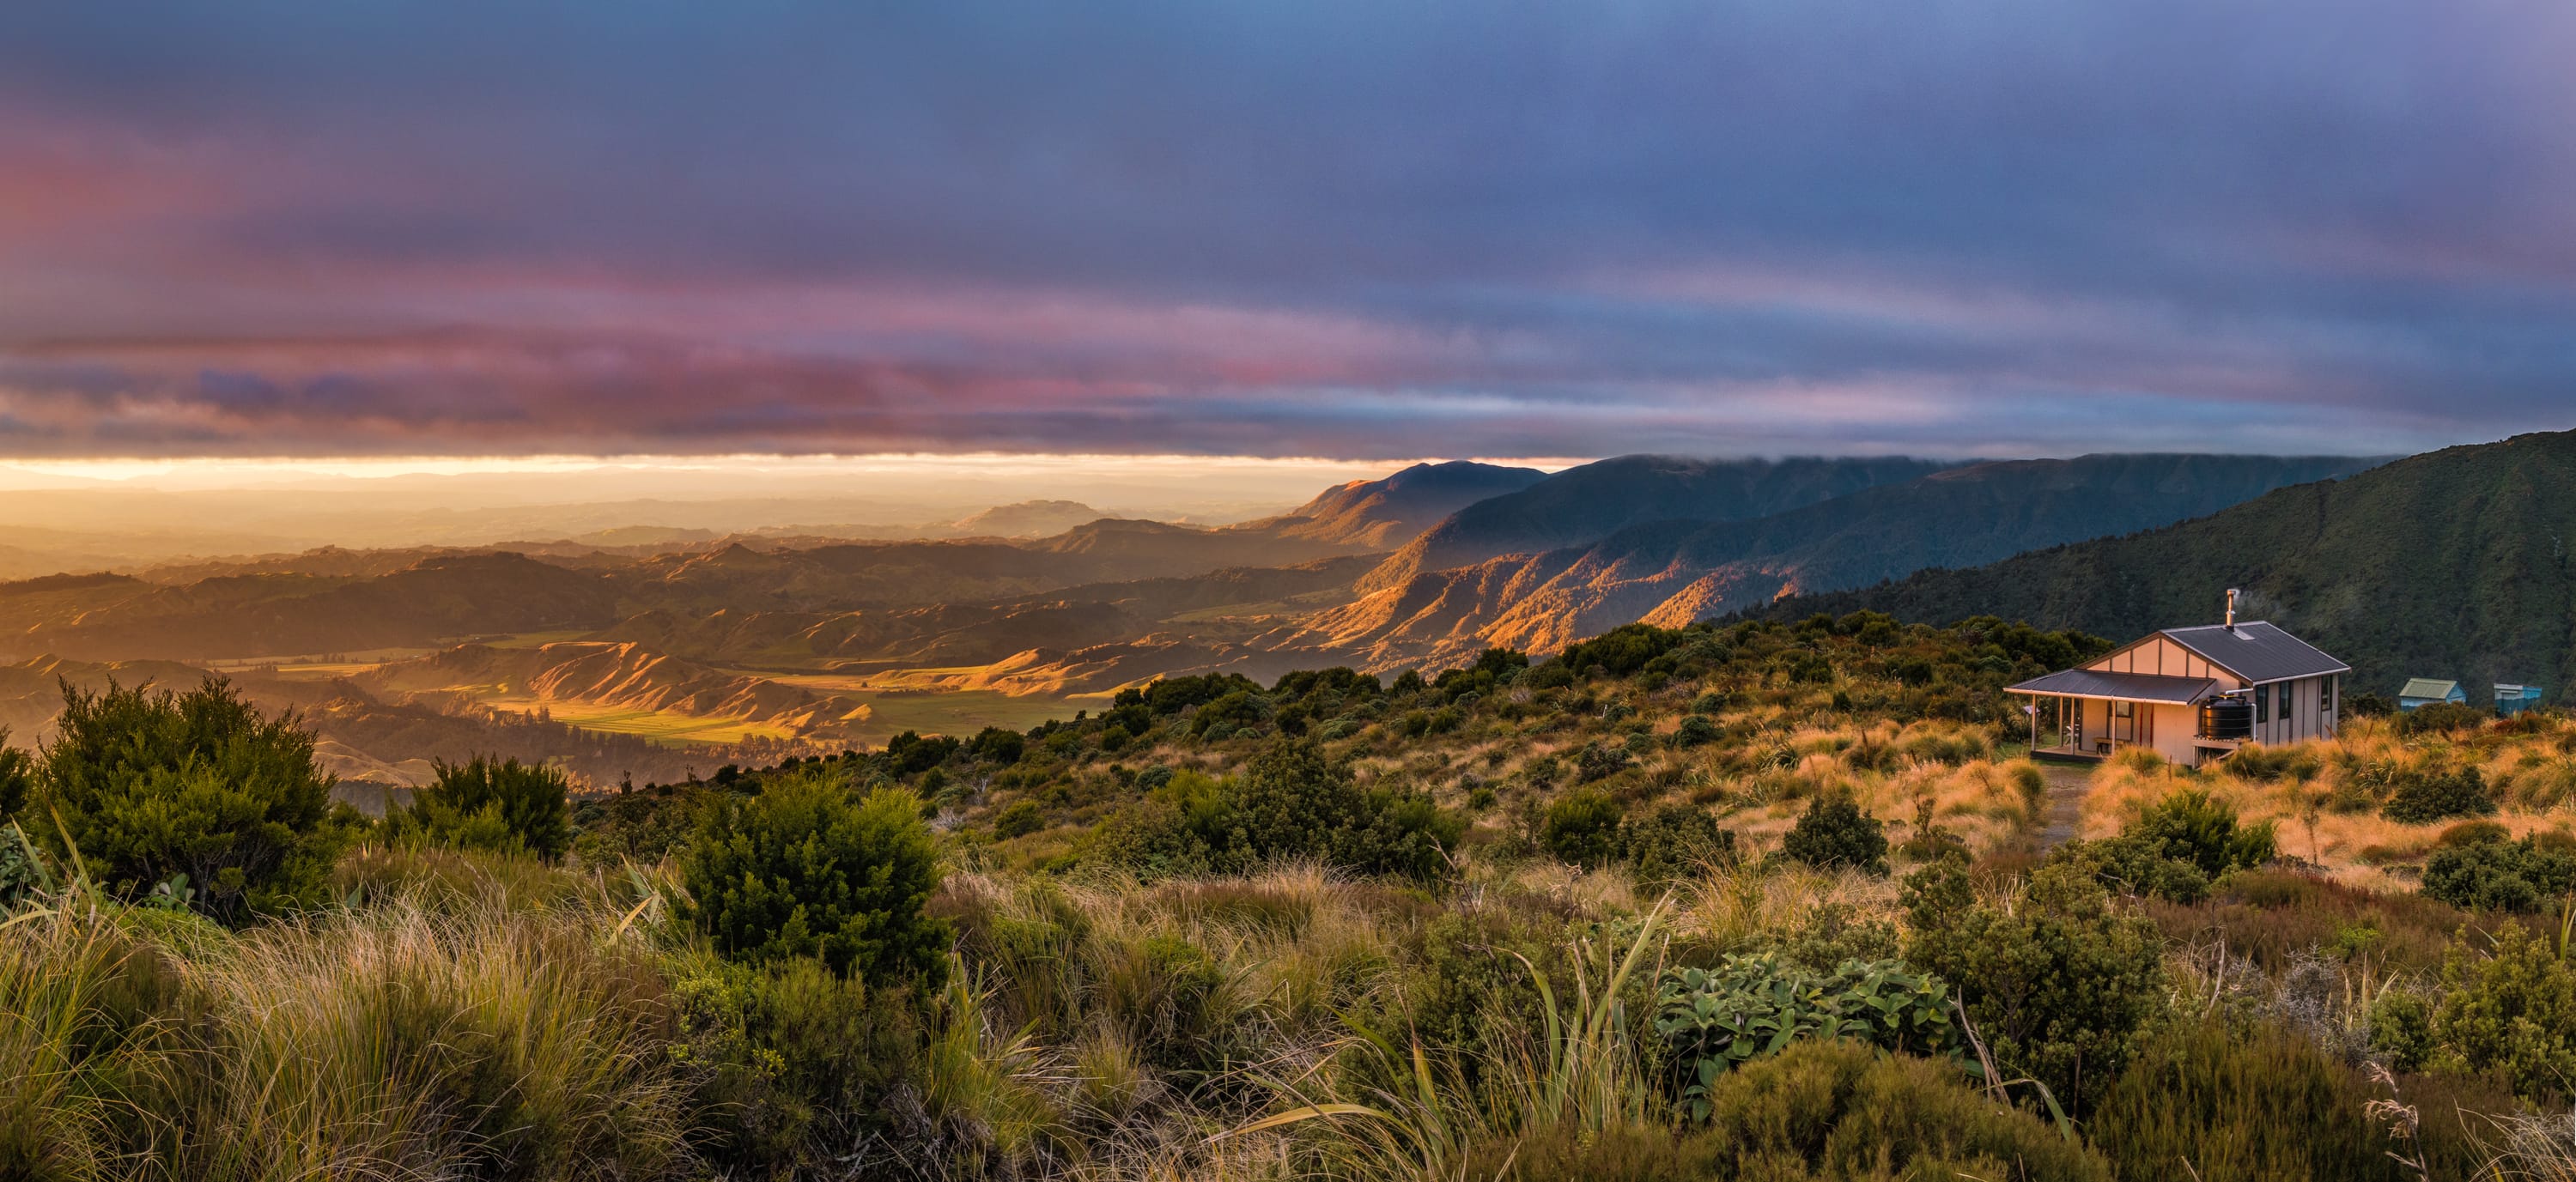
x=1746, y=902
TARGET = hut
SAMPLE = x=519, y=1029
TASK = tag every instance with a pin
x=2190, y=694
x=2424, y=691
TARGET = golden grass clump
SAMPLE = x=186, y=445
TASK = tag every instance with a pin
x=395, y=1041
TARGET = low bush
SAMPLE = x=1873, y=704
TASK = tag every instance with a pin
x=2422, y=796
x=1673, y=843
x=22, y=871
x=1712, y=1021
x=1566, y=1152
x=1290, y=803
x=1695, y=731
x=1582, y=827
x=805, y=1065
x=2511, y=1009
x=1835, y=833
x=17, y=777
x=2262, y=1105
x=2179, y=844
x=2490, y=874
x=199, y=791
x=803, y=870
x=486, y=804
x=1833, y=1109
x=1018, y=819
x=2056, y=981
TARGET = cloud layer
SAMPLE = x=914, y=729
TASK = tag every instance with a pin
x=1354, y=229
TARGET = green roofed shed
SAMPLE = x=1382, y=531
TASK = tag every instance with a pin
x=2424, y=691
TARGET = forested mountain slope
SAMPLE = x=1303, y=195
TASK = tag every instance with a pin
x=2450, y=564
x=1582, y=505
x=1673, y=572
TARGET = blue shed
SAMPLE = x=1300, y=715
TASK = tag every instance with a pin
x=2424, y=691
x=2514, y=699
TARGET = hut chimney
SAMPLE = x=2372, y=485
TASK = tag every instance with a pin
x=2231, y=609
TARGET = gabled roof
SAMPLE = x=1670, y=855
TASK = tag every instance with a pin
x=2256, y=651
x=2427, y=687
x=2128, y=687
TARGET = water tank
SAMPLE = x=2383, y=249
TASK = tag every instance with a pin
x=2227, y=718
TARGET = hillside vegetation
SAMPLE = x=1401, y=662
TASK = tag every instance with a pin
x=2451, y=564
x=1755, y=901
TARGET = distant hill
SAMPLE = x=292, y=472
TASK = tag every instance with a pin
x=977, y=633
x=1027, y=519
x=626, y=676
x=1673, y=572
x=1388, y=512
x=2450, y=564
x=1585, y=504
x=287, y=614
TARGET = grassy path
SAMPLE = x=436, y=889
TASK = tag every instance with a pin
x=2066, y=786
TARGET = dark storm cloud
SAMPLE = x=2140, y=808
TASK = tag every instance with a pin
x=1358, y=229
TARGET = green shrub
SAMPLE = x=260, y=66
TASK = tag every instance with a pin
x=2263, y=1105
x=1695, y=731
x=1289, y=803
x=1019, y=819
x=1712, y=1021
x=1566, y=1152
x=17, y=777
x=2401, y=1029
x=22, y=872
x=2192, y=826
x=2179, y=844
x=1832, y=1109
x=2473, y=832
x=1674, y=842
x=2493, y=875
x=1183, y=825
x=1399, y=832
x=1834, y=833
x=1582, y=827
x=802, y=870
x=2423, y=796
x=801, y=1063
x=151, y=786
x=482, y=804
x=1597, y=762
x=995, y=745
x=1467, y=979
x=2511, y=1009
x=2057, y=981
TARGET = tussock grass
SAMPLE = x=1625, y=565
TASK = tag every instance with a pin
x=398, y=1041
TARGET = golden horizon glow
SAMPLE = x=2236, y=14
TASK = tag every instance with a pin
x=247, y=469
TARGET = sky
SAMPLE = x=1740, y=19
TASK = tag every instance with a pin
x=1365, y=231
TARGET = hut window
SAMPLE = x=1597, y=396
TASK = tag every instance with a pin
x=2262, y=703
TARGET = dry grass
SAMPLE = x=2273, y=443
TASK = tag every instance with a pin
x=396, y=1041
x=2325, y=805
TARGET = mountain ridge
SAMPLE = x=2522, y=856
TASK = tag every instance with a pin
x=1670, y=572
x=2452, y=563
